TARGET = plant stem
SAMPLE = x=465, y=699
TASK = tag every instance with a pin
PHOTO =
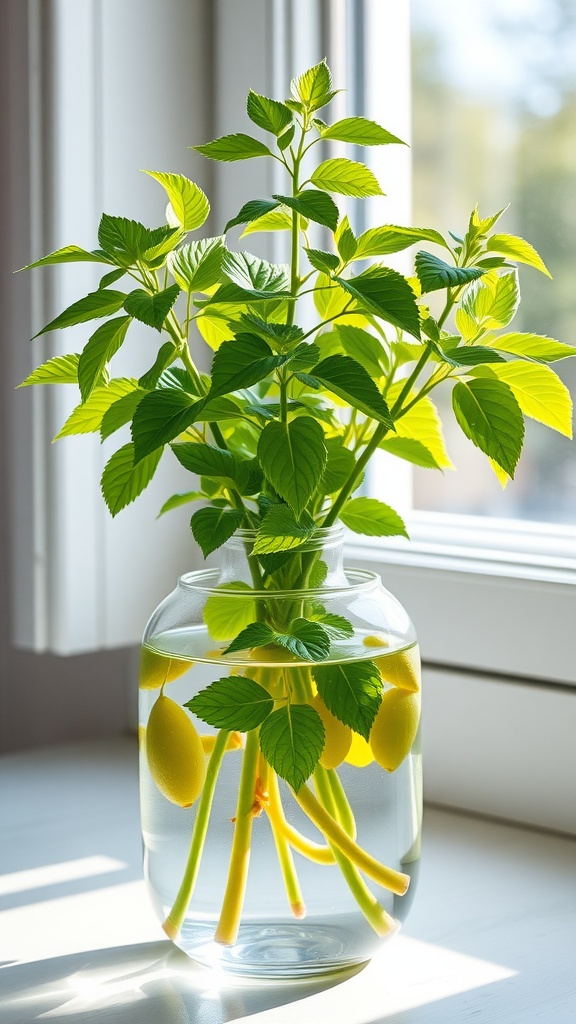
x=173, y=922
x=285, y=859
x=313, y=851
x=377, y=917
x=231, y=911
x=388, y=878
x=344, y=811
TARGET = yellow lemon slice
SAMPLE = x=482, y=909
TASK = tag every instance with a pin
x=157, y=669
x=401, y=669
x=338, y=736
x=174, y=752
x=360, y=753
x=395, y=728
x=208, y=741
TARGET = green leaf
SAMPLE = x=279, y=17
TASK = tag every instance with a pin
x=325, y=262
x=122, y=480
x=304, y=356
x=314, y=205
x=176, y=501
x=365, y=348
x=531, y=346
x=190, y=205
x=538, y=390
x=125, y=241
x=242, y=363
x=197, y=266
x=278, y=334
x=212, y=527
x=293, y=456
x=411, y=451
x=69, y=254
x=255, y=634
x=254, y=209
x=281, y=531
x=227, y=615
x=58, y=370
x=105, y=341
x=422, y=423
x=151, y=309
x=389, y=238
x=233, y=147
x=307, y=640
x=121, y=412
x=435, y=273
x=313, y=86
x=346, y=240
x=166, y=356
x=160, y=417
x=339, y=465
x=386, y=293
x=286, y=138
x=493, y=301
x=111, y=278
x=291, y=740
x=469, y=355
x=372, y=518
x=232, y=703
x=352, y=691
x=350, y=381
x=87, y=417
x=337, y=627
x=276, y=220
x=490, y=417
x=92, y=307
x=515, y=248
x=346, y=177
x=206, y=460
x=268, y=114
x=360, y=131
x=256, y=276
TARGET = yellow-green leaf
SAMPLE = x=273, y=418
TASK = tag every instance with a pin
x=518, y=249
x=346, y=177
x=88, y=416
x=422, y=423
x=190, y=205
x=538, y=390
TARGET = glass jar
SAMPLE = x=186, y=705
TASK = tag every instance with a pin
x=245, y=871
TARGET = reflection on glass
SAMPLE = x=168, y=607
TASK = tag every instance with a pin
x=494, y=121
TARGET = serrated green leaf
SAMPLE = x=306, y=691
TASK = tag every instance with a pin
x=337, y=626
x=308, y=640
x=93, y=306
x=365, y=348
x=350, y=381
x=390, y=238
x=197, y=266
x=372, y=518
x=281, y=531
x=434, y=273
x=346, y=177
x=254, y=275
x=111, y=278
x=151, y=309
x=125, y=241
x=209, y=461
x=166, y=356
x=241, y=363
x=87, y=417
x=490, y=417
x=227, y=614
x=493, y=301
x=346, y=241
x=212, y=527
x=538, y=390
x=233, y=147
x=68, y=254
x=352, y=692
x=469, y=355
x=411, y=451
x=361, y=132
x=253, y=210
x=291, y=740
x=276, y=220
x=313, y=205
x=531, y=346
x=285, y=139
x=98, y=351
x=293, y=456
x=312, y=86
x=339, y=465
x=466, y=325
x=330, y=298
x=160, y=417
x=255, y=634
x=232, y=703
x=122, y=480
x=278, y=334
x=177, y=500
x=58, y=370
x=422, y=423
x=325, y=262
x=268, y=114
x=121, y=412
x=386, y=293
x=515, y=248
x=190, y=205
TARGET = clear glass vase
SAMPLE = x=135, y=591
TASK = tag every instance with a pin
x=245, y=872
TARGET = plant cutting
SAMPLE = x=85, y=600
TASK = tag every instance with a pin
x=281, y=695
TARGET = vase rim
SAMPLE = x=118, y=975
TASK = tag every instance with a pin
x=200, y=580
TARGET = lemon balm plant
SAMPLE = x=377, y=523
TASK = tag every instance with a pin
x=281, y=695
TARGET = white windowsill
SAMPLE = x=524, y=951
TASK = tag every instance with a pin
x=491, y=934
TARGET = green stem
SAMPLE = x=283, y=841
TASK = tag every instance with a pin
x=173, y=922
x=231, y=912
x=343, y=809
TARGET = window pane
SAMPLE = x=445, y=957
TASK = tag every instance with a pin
x=494, y=121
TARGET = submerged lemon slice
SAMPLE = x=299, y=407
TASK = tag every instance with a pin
x=395, y=728
x=338, y=736
x=401, y=669
x=157, y=669
x=175, y=753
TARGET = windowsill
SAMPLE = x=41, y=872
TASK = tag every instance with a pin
x=491, y=933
